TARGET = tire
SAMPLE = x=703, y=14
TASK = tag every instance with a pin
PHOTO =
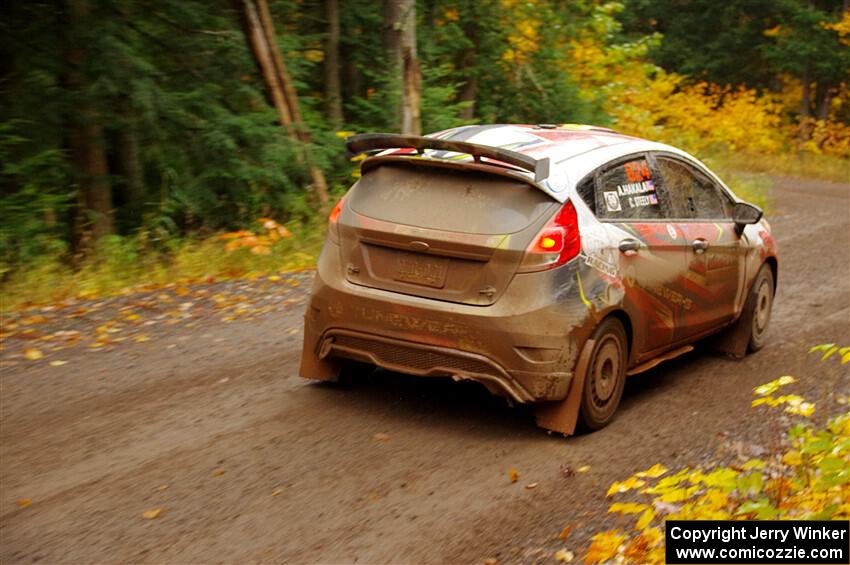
x=758, y=307
x=605, y=376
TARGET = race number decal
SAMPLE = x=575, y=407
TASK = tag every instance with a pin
x=612, y=201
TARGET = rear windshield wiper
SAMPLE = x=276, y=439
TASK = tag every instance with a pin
x=369, y=142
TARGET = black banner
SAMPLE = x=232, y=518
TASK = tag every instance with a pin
x=758, y=541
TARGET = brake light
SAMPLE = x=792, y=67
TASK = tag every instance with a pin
x=558, y=242
x=333, y=218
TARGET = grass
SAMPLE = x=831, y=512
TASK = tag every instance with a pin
x=124, y=264
x=801, y=165
x=754, y=188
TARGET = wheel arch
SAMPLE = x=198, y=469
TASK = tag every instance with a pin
x=624, y=319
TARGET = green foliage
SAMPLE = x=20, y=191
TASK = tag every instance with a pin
x=705, y=39
x=191, y=145
x=31, y=215
x=121, y=264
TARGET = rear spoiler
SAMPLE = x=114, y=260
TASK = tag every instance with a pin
x=369, y=142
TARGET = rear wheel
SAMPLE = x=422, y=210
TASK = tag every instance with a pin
x=605, y=376
x=759, y=305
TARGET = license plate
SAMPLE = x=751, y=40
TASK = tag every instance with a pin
x=423, y=270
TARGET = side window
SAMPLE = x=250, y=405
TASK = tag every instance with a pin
x=692, y=194
x=627, y=191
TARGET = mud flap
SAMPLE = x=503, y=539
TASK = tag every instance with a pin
x=562, y=416
x=735, y=340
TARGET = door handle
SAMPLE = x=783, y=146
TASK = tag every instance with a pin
x=700, y=245
x=630, y=247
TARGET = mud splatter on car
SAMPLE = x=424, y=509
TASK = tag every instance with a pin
x=545, y=262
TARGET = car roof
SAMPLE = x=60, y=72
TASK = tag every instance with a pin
x=575, y=150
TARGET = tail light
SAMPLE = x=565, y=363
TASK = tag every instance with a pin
x=558, y=242
x=333, y=218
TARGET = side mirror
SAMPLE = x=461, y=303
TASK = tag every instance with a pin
x=744, y=214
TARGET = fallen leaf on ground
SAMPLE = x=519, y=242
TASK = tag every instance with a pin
x=161, y=487
x=218, y=472
x=57, y=363
x=277, y=491
x=653, y=472
x=491, y=561
x=583, y=469
x=513, y=475
x=141, y=338
x=530, y=486
x=33, y=354
x=565, y=533
x=603, y=546
x=151, y=514
x=623, y=486
x=381, y=436
x=564, y=556
x=24, y=502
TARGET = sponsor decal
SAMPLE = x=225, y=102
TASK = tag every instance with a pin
x=637, y=171
x=409, y=322
x=612, y=201
x=672, y=231
x=643, y=201
x=602, y=264
x=671, y=296
x=636, y=188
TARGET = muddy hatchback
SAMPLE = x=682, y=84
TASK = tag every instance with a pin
x=545, y=262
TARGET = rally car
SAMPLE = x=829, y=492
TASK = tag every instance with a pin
x=546, y=262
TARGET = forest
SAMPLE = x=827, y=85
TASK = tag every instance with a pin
x=141, y=136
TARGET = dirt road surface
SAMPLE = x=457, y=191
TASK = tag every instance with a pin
x=209, y=423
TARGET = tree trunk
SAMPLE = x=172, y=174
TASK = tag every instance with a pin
x=393, y=16
x=806, y=103
x=130, y=167
x=88, y=158
x=822, y=99
x=400, y=46
x=86, y=142
x=411, y=118
x=285, y=81
x=333, y=94
x=261, y=34
x=466, y=65
x=468, y=93
x=263, y=55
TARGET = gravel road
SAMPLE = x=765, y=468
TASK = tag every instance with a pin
x=208, y=422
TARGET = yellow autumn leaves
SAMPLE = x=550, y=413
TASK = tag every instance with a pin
x=258, y=243
x=793, y=403
x=646, y=101
x=809, y=478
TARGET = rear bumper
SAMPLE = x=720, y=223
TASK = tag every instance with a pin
x=524, y=347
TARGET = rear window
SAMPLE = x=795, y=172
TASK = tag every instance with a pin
x=448, y=199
